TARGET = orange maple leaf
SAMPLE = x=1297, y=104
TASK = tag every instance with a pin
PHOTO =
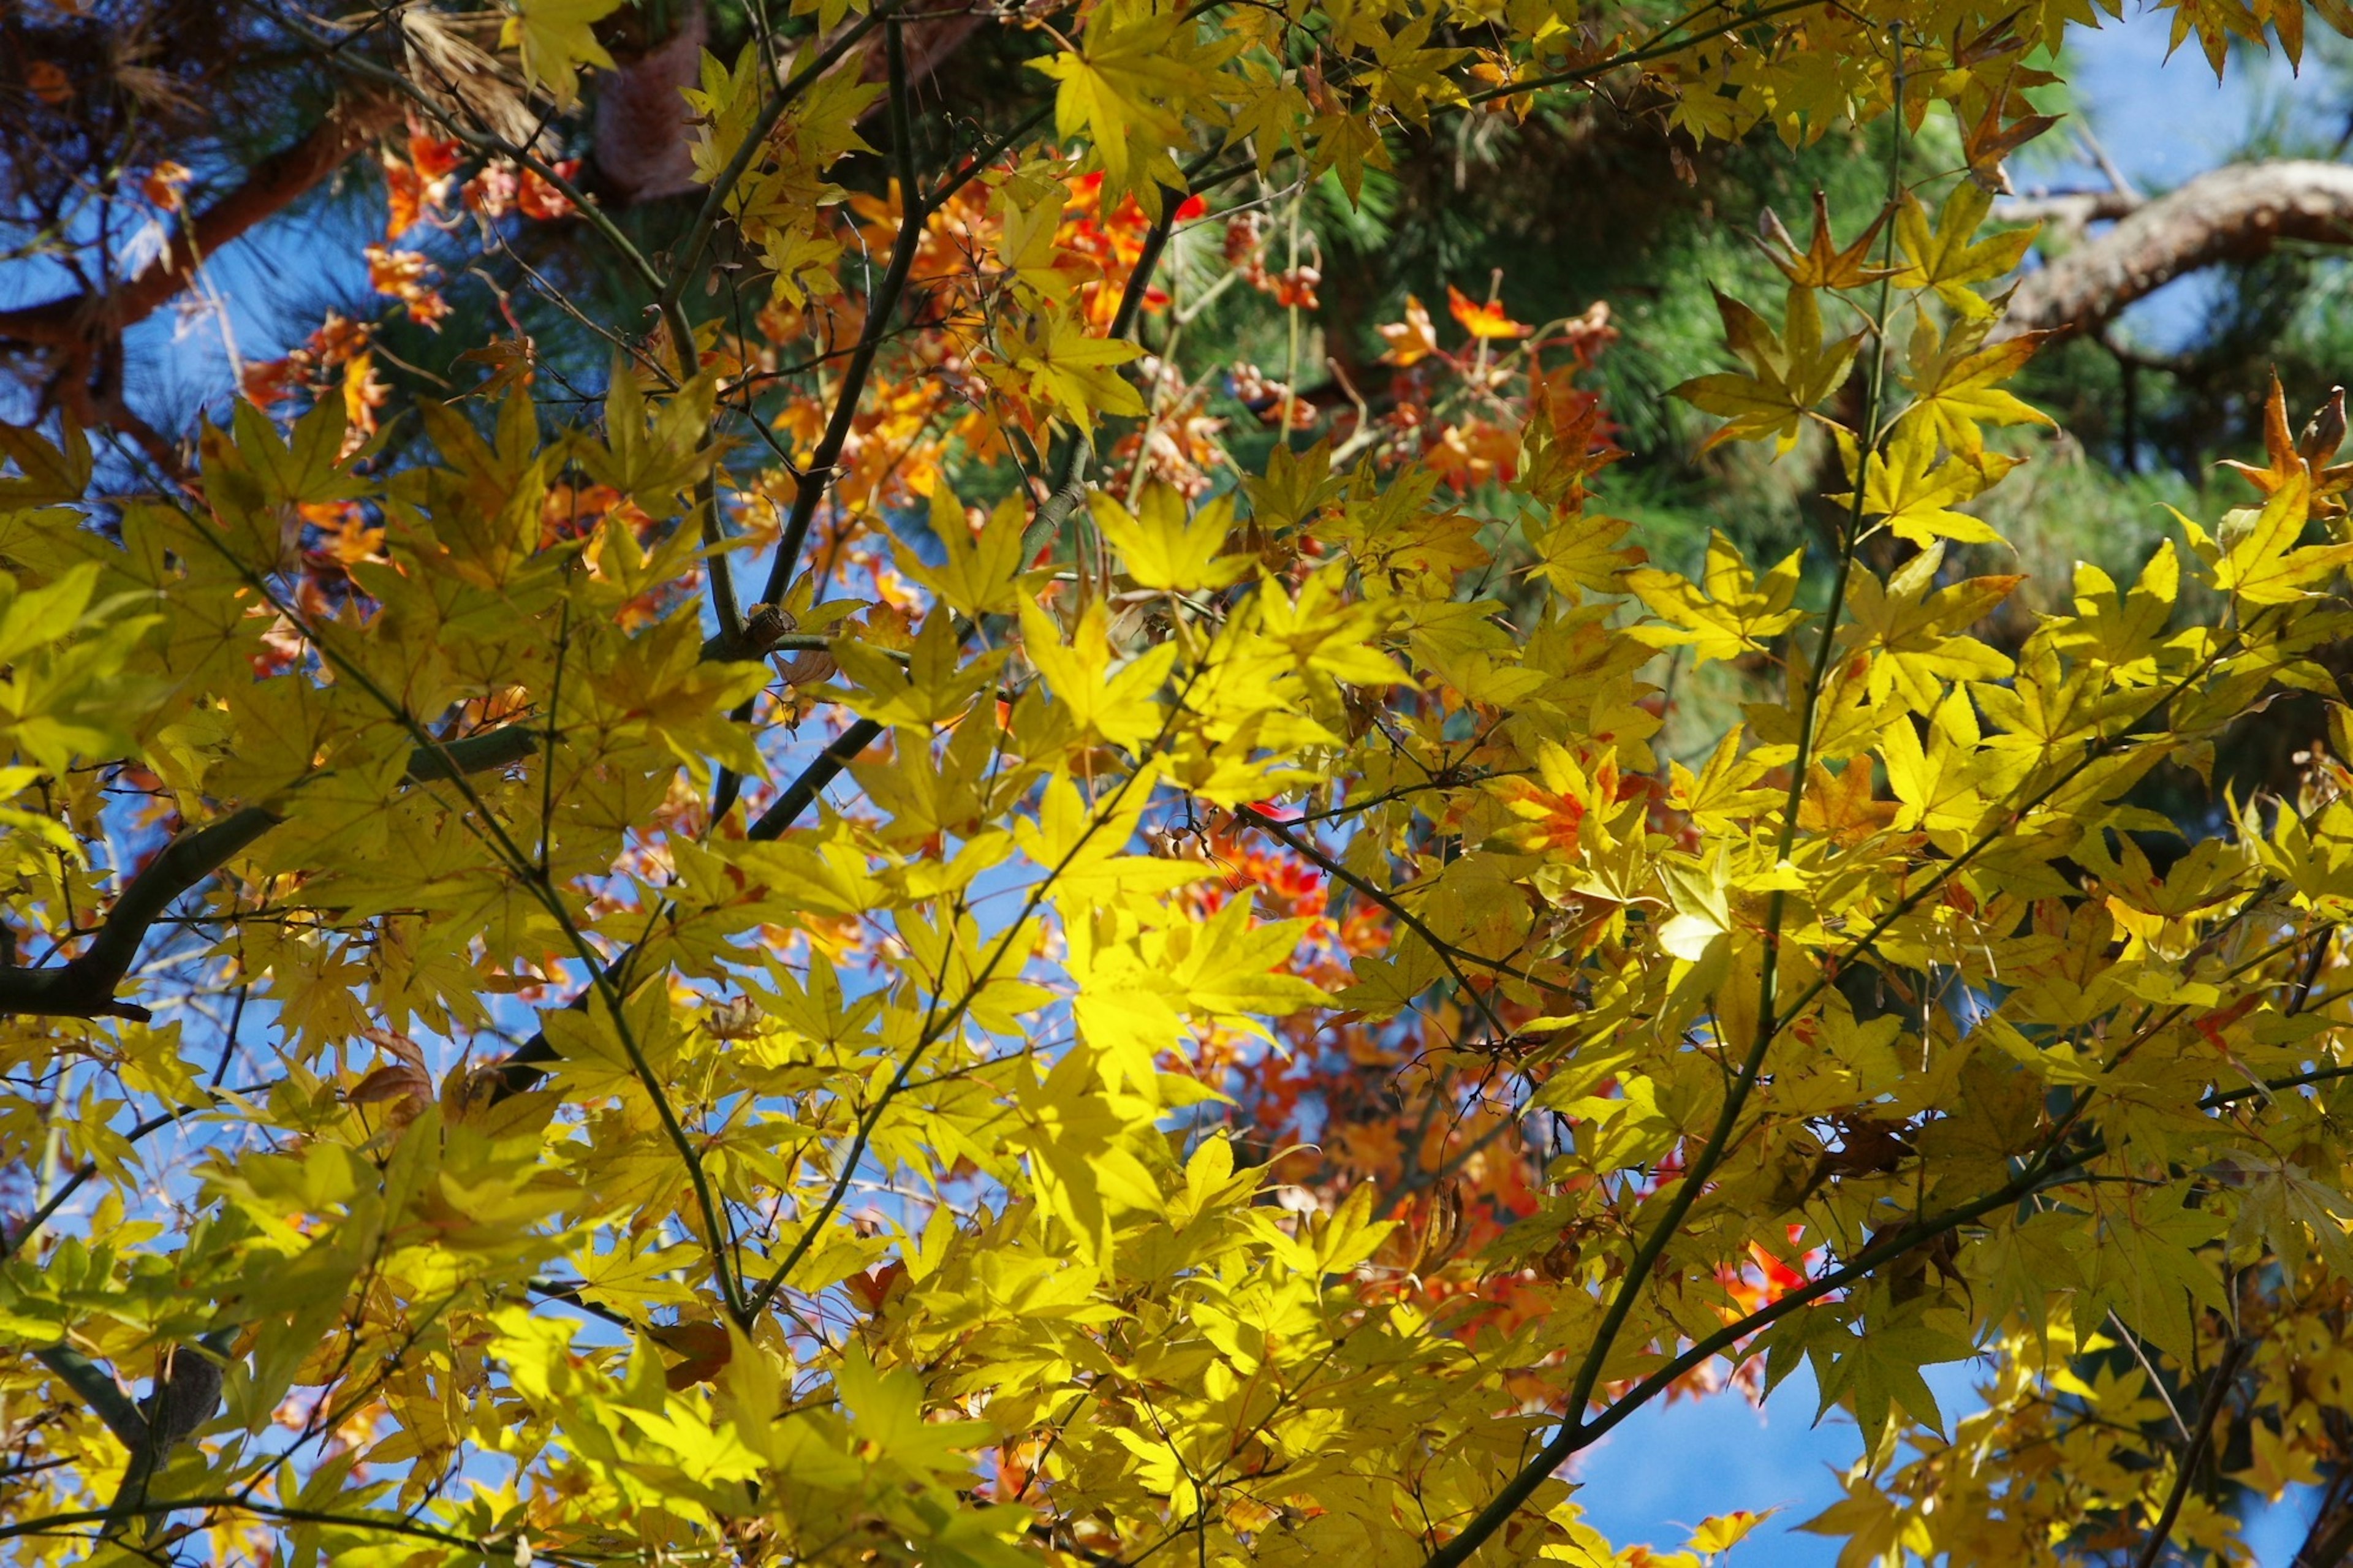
x=1823, y=264
x=1412, y=340
x=1486, y=320
x=2286, y=456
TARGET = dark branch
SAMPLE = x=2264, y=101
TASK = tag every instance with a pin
x=84, y=987
x=2218, y=1393
x=818, y=477
x=527, y=1064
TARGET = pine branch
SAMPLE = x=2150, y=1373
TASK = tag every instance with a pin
x=2237, y=212
x=275, y=184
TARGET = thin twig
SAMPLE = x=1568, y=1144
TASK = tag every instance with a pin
x=2217, y=1392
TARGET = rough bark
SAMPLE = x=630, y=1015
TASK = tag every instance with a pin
x=2233, y=214
x=645, y=133
x=2071, y=210
x=932, y=41
x=644, y=130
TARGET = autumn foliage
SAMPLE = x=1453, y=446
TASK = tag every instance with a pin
x=938, y=926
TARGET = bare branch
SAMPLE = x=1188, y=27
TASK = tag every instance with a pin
x=2233, y=214
x=819, y=476
x=2070, y=209
x=2217, y=1394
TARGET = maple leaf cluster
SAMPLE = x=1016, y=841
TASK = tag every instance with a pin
x=946, y=925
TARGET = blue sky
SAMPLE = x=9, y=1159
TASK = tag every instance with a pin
x=2162, y=122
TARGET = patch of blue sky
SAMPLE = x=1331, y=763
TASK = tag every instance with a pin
x=255, y=297
x=1655, y=1477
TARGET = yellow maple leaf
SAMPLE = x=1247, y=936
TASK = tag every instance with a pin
x=1937, y=784
x=1122, y=83
x=1789, y=372
x=1946, y=258
x=1580, y=551
x=1115, y=701
x=1063, y=365
x=1031, y=213
x=1729, y=612
x=977, y=577
x=1913, y=494
x=1164, y=548
x=1723, y=1531
x=2260, y=562
x=1955, y=383
x=557, y=36
x=1913, y=637
x=1839, y=806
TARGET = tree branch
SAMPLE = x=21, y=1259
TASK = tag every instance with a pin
x=2070, y=209
x=53, y=1523
x=275, y=184
x=818, y=477
x=2217, y=1396
x=689, y=250
x=98, y=1390
x=827, y=766
x=2233, y=214
x=1451, y=956
x=84, y=985
x=1577, y=1434
x=185, y=1393
x=526, y=1065
x=2330, y=1539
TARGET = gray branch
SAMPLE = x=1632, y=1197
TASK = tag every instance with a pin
x=2239, y=213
